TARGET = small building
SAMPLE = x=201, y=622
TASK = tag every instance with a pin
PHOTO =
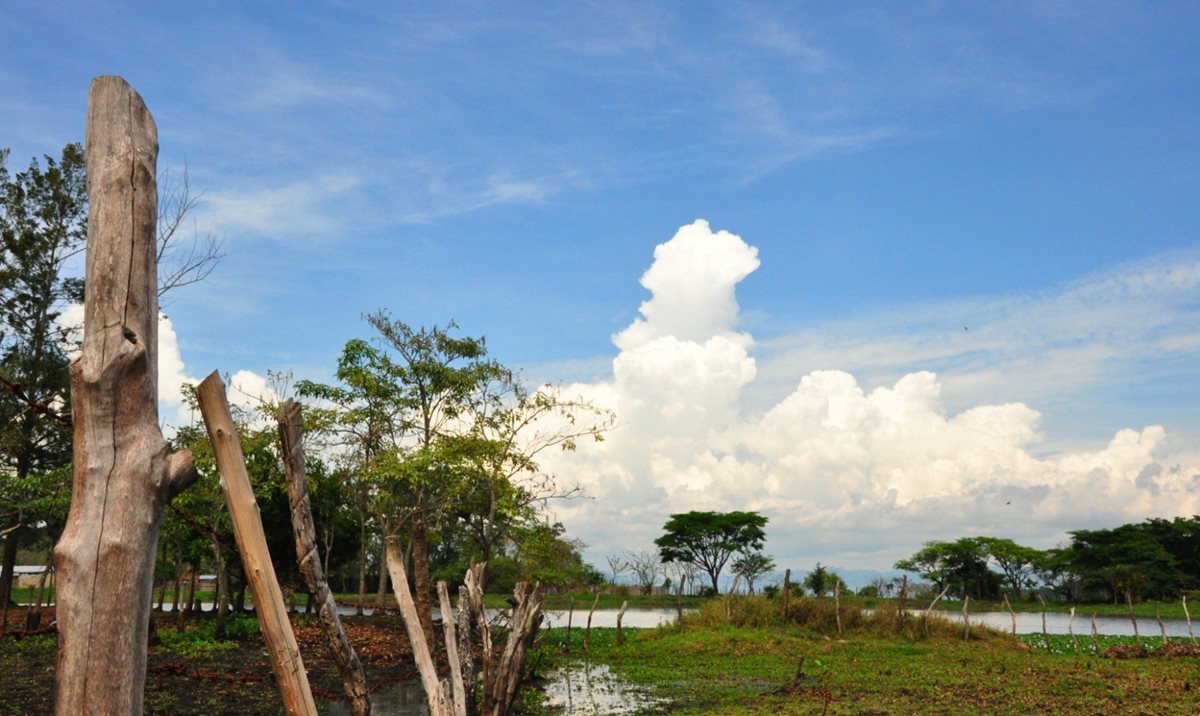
x=27, y=575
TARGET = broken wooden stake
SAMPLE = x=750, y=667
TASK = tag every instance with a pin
x=620, y=615
x=252, y=545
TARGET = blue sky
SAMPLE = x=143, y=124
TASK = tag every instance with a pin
x=1004, y=195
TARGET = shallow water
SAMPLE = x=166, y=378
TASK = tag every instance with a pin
x=1058, y=623
x=581, y=690
x=591, y=690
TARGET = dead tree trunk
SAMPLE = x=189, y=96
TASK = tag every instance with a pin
x=124, y=471
x=252, y=545
x=353, y=679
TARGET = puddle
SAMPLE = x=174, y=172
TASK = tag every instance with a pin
x=580, y=690
x=585, y=689
x=400, y=698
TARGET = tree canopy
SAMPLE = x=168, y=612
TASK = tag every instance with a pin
x=708, y=539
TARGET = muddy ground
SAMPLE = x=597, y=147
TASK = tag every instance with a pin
x=188, y=677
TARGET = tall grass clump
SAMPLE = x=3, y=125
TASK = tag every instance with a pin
x=820, y=615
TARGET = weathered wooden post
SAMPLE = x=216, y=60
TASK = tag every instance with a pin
x=1012, y=615
x=621, y=615
x=286, y=661
x=348, y=664
x=787, y=594
x=124, y=471
x=587, y=632
x=570, y=616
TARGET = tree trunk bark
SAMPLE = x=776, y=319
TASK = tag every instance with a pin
x=286, y=661
x=222, y=596
x=10, y=564
x=421, y=583
x=353, y=679
x=124, y=472
x=362, y=566
x=381, y=590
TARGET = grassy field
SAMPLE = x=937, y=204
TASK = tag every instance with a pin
x=756, y=664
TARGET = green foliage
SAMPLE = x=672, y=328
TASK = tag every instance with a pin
x=1157, y=558
x=30, y=644
x=962, y=566
x=751, y=566
x=199, y=640
x=818, y=581
x=708, y=539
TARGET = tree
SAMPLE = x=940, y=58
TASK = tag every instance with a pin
x=1155, y=558
x=752, y=566
x=43, y=223
x=616, y=565
x=1017, y=562
x=709, y=539
x=499, y=481
x=962, y=564
x=818, y=581
x=646, y=567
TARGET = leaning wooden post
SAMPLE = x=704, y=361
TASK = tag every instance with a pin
x=252, y=546
x=1011, y=614
x=124, y=471
x=1188, y=616
x=1071, y=630
x=458, y=688
x=350, y=668
x=621, y=615
x=437, y=693
x=1133, y=618
x=1045, y=633
x=837, y=606
x=966, y=618
x=587, y=632
x=570, y=616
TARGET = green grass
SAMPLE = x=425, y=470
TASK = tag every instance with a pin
x=759, y=664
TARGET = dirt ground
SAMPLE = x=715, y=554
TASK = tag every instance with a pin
x=214, y=683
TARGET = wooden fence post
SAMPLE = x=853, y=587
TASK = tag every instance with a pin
x=458, y=688
x=1011, y=614
x=437, y=693
x=587, y=632
x=124, y=471
x=620, y=615
x=348, y=664
x=286, y=661
x=570, y=616
x=787, y=594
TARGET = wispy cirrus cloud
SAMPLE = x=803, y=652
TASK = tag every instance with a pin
x=307, y=208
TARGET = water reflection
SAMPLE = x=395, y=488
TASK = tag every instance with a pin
x=399, y=698
x=592, y=689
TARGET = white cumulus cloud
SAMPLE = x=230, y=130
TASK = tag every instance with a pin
x=850, y=474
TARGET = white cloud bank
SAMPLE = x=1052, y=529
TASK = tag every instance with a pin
x=849, y=475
